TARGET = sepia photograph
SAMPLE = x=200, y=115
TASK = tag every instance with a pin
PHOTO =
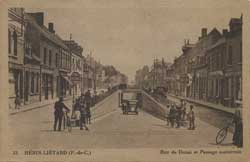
x=125, y=77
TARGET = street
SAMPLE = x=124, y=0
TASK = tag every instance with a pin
x=109, y=129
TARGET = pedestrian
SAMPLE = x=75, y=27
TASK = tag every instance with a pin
x=168, y=115
x=238, y=129
x=184, y=113
x=172, y=115
x=191, y=118
x=17, y=102
x=83, y=114
x=58, y=113
x=88, y=98
x=88, y=117
x=178, y=116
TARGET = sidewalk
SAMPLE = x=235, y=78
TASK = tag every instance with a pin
x=45, y=103
x=35, y=105
x=206, y=104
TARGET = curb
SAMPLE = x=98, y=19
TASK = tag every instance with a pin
x=36, y=107
x=201, y=104
x=47, y=104
x=102, y=101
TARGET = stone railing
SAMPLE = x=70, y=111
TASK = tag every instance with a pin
x=153, y=107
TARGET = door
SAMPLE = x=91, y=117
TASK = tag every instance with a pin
x=26, y=94
x=46, y=87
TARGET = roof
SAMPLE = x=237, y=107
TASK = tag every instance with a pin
x=219, y=42
x=235, y=21
x=45, y=32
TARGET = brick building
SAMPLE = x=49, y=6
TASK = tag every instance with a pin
x=47, y=61
x=16, y=31
x=76, y=66
x=233, y=65
x=209, y=70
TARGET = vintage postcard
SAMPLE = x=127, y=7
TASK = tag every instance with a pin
x=116, y=80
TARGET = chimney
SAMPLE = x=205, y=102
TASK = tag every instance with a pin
x=203, y=32
x=51, y=27
x=39, y=17
x=224, y=31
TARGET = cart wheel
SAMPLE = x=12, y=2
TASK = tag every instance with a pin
x=221, y=135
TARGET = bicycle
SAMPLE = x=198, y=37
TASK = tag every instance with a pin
x=67, y=122
x=222, y=134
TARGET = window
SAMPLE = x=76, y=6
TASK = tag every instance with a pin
x=218, y=61
x=56, y=59
x=239, y=88
x=15, y=43
x=240, y=52
x=222, y=57
x=32, y=83
x=230, y=55
x=9, y=40
x=50, y=57
x=37, y=83
x=67, y=61
x=44, y=56
x=61, y=60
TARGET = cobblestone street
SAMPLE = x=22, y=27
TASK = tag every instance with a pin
x=109, y=129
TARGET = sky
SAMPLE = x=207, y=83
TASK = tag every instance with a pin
x=130, y=34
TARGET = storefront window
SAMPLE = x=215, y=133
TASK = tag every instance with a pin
x=32, y=83
x=37, y=83
x=50, y=57
x=44, y=56
x=9, y=40
x=239, y=88
x=230, y=55
x=15, y=43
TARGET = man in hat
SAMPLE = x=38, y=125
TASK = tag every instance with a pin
x=168, y=114
x=191, y=118
x=58, y=113
x=172, y=115
x=178, y=116
x=83, y=115
x=238, y=129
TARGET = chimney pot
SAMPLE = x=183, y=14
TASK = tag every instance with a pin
x=203, y=32
x=51, y=27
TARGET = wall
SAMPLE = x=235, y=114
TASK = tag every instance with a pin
x=151, y=106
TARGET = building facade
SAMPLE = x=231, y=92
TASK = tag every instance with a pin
x=209, y=70
x=76, y=74
x=16, y=30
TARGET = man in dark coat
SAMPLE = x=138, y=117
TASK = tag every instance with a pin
x=178, y=116
x=88, y=101
x=238, y=129
x=58, y=113
x=172, y=115
x=191, y=118
x=88, y=97
x=83, y=112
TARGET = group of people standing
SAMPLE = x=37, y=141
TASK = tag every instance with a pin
x=177, y=115
x=81, y=104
